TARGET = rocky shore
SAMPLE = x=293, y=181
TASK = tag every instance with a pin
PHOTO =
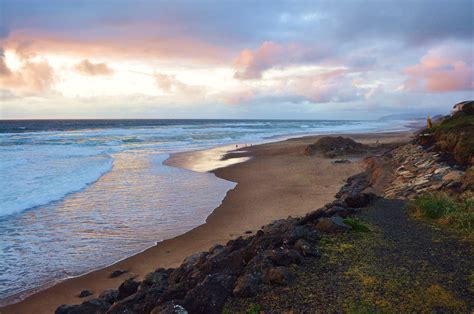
x=205, y=281
x=417, y=170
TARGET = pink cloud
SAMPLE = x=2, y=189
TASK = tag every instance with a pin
x=442, y=70
x=31, y=77
x=136, y=46
x=171, y=85
x=250, y=64
x=88, y=68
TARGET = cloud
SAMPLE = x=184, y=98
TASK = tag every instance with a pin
x=88, y=68
x=169, y=84
x=443, y=69
x=251, y=64
x=319, y=85
x=329, y=86
x=30, y=77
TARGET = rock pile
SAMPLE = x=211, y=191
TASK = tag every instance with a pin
x=417, y=170
x=335, y=146
x=204, y=281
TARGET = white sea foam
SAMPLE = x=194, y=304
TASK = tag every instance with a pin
x=31, y=176
x=40, y=167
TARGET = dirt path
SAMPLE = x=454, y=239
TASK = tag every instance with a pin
x=401, y=265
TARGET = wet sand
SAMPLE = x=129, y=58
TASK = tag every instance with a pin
x=277, y=180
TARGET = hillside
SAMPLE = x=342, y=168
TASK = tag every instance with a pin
x=453, y=136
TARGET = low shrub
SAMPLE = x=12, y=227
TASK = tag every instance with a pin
x=456, y=212
x=253, y=309
x=356, y=225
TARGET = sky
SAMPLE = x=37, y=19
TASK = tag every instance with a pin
x=344, y=59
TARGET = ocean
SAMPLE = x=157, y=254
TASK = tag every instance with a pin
x=76, y=195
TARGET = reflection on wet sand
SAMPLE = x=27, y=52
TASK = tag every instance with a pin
x=207, y=160
x=107, y=221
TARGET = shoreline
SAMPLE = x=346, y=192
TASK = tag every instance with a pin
x=240, y=211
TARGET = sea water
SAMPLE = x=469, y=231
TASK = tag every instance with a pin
x=76, y=195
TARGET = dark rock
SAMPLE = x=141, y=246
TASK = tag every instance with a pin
x=247, y=285
x=359, y=200
x=117, y=273
x=294, y=234
x=248, y=232
x=84, y=293
x=237, y=244
x=313, y=216
x=95, y=306
x=181, y=275
x=342, y=161
x=128, y=287
x=65, y=309
x=169, y=308
x=210, y=295
x=109, y=296
x=232, y=262
x=139, y=302
x=259, y=264
x=215, y=248
x=334, y=224
x=339, y=210
x=285, y=257
x=157, y=278
x=306, y=249
x=280, y=276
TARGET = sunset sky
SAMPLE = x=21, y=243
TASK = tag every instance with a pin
x=234, y=59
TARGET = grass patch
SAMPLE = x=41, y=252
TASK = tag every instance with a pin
x=356, y=225
x=440, y=297
x=361, y=308
x=454, y=212
x=253, y=309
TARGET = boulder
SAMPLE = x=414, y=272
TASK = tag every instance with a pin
x=127, y=288
x=313, y=216
x=247, y=285
x=306, y=249
x=157, y=278
x=285, y=257
x=109, y=296
x=279, y=275
x=84, y=293
x=339, y=210
x=333, y=224
x=169, y=308
x=359, y=200
x=453, y=176
x=210, y=295
x=96, y=306
x=117, y=273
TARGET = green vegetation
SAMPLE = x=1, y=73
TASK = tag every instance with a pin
x=356, y=225
x=361, y=308
x=455, y=135
x=253, y=309
x=455, y=212
x=458, y=121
